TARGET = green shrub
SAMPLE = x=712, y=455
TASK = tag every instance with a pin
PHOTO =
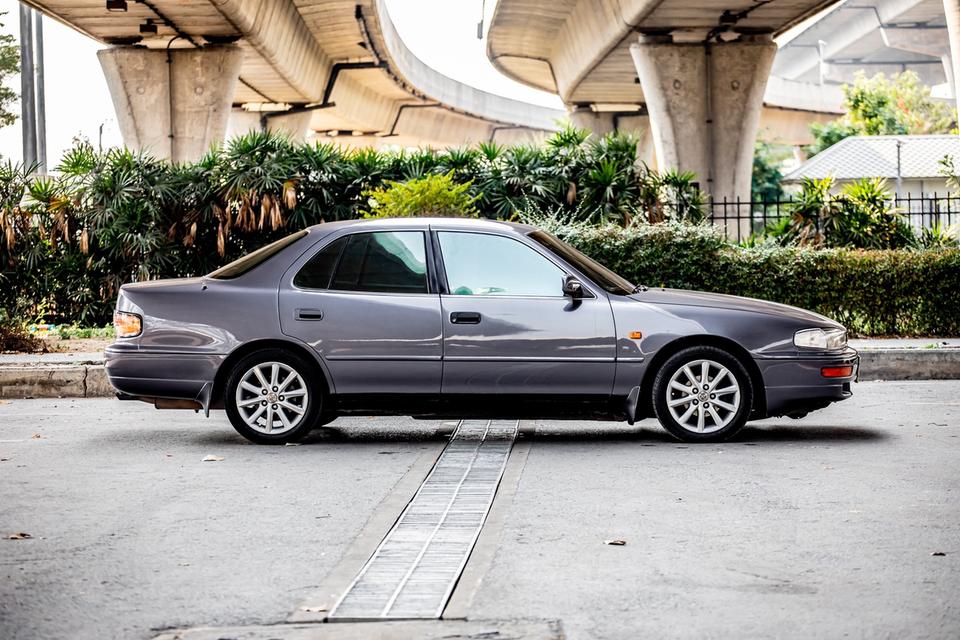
x=68, y=242
x=431, y=195
x=76, y=332
x=872, y=292
x=861, y=216
x=15, y=336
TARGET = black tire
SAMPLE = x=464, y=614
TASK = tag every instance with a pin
x=312, y=405
x=663, y=393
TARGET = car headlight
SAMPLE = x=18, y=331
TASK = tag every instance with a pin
x=127, y=325
x=825, y=339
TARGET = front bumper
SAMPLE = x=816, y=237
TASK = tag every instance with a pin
x=794, y=385
x=152, y=375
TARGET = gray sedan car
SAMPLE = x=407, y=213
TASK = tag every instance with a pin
x=450, y=317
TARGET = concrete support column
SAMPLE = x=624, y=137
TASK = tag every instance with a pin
x=602, y=122
x=173, y=107
x=296, y=125
x=951, y=10
x=705, y=102
x=595, y=122
x=639, y=125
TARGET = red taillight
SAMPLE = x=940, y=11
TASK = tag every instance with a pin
x=837, y=372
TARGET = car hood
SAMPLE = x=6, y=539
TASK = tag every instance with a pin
x=738, y=303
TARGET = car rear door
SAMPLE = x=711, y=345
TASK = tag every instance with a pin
x=507, y=327
x=364, y=301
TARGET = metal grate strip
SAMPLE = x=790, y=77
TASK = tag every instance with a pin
x=414, y=570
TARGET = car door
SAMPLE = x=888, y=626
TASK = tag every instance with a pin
x=364, y=302
x=507, y=327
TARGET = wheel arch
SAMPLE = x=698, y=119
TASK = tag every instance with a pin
x=223, y=371
x=759, y=408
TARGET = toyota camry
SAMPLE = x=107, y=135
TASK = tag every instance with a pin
x=452, y=317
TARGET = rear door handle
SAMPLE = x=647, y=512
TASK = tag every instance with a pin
x=309, y=314
x=465, y=317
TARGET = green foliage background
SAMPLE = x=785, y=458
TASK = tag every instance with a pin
x=68, y=241
x=886, y=292
x=9, y=65
x=878, y=105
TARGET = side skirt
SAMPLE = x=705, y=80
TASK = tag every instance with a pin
x=482, y=406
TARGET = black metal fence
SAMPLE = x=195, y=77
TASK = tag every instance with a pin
x=743, y=219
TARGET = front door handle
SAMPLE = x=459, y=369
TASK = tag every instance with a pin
x=465, y=317
x=309, y=314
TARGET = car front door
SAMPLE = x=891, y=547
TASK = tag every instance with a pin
x=364, y=302
x=508, y=328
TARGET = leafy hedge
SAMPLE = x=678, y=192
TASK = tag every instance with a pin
x=871, y=292
x=67, y=242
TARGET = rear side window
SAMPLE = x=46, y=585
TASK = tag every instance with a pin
x=316, y=274
x=380, y=262
x=246, y=263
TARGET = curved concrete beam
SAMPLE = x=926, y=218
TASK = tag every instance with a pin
x=583, y=35
x=457, y=95
x=278, y=32
x=843, y=27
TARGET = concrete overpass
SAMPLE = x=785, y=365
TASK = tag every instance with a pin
x=178, y=70
x=698, y=70
x=887, y=36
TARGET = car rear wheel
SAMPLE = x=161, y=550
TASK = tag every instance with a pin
x=702, y=394
x=273, y=397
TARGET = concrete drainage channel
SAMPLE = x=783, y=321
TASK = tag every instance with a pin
x=403, y=588
x=414, y=570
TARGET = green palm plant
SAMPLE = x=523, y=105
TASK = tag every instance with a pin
x=565, y=155
x=258, y=179
x=812, y=207
x=323, y=185
x=866, y=218
x=609, y=193
x=462, y=161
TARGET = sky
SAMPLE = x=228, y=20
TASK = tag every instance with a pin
x=78, y=101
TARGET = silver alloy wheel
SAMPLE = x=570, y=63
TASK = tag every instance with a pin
x=272, y=398
x=697, y=402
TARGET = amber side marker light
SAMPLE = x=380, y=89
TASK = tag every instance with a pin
x=636, y=335
x=127, y=325
x=837, y=372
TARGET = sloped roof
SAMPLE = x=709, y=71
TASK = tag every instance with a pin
x=876, y=157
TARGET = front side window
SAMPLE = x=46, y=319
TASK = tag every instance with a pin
x=602, y=276
x=382, y=261
x=479, y=264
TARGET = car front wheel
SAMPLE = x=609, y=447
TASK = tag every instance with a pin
x=702, y=394
x=272, y=397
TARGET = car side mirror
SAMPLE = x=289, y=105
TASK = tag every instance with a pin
x=572, y=287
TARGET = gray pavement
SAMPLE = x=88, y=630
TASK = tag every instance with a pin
x=816, y=528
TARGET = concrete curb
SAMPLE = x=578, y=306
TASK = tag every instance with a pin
x=54, y=381
x=88, y=379
x=910, y=364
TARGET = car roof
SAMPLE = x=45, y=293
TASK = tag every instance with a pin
x=457, y=224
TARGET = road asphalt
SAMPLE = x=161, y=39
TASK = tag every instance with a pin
x=830, y=526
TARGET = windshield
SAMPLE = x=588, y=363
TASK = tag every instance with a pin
x=246, y=263
x=608, y=280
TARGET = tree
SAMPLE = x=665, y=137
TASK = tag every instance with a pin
x=765, y=182
x=9, y=65
x=880, y=106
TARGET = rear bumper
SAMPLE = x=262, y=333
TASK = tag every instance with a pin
x=794, y=385
x=150, y=375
